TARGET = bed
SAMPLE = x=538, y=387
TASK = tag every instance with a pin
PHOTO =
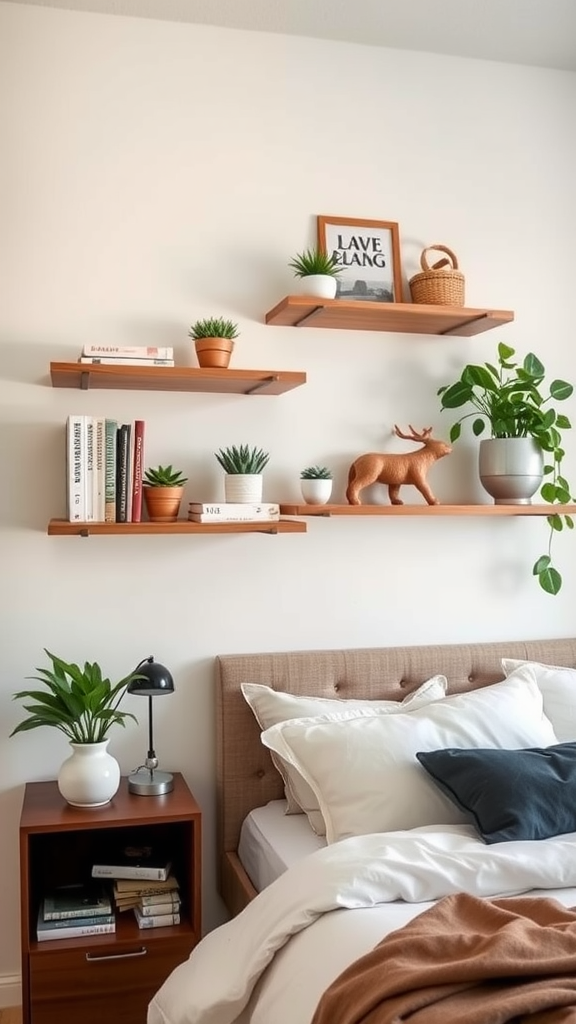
x=365, y=883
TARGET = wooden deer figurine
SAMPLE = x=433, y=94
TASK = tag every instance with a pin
x=397, y=469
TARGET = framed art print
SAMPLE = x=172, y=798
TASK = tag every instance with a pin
x=368, y=252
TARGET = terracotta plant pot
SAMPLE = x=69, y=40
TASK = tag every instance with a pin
x=214, y=352
x=163, y=503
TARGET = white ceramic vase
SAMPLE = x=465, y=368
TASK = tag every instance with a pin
x=323, y=286
x=90, y=776
x=316, y=491
x=511, y=469
x=243, y=487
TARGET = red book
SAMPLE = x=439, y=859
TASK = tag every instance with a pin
x=137, y=470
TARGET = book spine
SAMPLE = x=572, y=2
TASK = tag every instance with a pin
x=111, y=428
x=158, y=909
x=69, y=915
x=137, y=471
x=83, y=921
x=157, y=920
x=99, y=469
x=89, y=428
x=75, y=931
x=153, y=899
x=129, y=871
x=125, y=361
x=225, y=507
x=75, y=458
x=208, y=517
x=122, y=472
x=136, y=351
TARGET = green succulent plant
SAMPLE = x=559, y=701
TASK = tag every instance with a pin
x=314, y=261
x=242, y=459
x=509, y=399
x=316, y=473
x=213, y=327
x=164, y=476
x=79, y=702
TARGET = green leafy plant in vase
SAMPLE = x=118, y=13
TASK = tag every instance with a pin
x=214, y=341
x=243, y=465
x=163, y=488
x=84, y=705
x=318, y=271
x=510, y=401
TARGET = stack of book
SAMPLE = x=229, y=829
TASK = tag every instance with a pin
x=130, y=893
x=105, y=465
x=232, y=512
x=127, y=355
x=75, y=910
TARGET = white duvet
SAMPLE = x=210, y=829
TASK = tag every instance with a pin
x=270, y=964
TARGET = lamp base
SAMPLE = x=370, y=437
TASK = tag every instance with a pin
x=145, y=782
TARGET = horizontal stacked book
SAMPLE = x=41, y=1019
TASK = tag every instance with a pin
x=75, y=910
x=138, y=863
x=105, y=465
x=127, y=355
x=154, y=904
x=232, y=512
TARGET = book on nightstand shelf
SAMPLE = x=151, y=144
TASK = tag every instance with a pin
x=74, y=928
x=73, y=901
x=156, y=920
x=136, y=862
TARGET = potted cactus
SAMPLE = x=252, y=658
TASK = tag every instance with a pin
x=214, y=341
x=318, y=271
x=163, y=489
x=243, y=467
x=316, y=484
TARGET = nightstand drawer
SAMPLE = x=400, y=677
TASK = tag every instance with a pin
x=101, y=982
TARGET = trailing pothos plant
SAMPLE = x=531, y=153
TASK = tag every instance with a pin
x=509, y=399
x=80, y=702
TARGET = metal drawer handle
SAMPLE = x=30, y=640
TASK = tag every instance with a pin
x=117, y=956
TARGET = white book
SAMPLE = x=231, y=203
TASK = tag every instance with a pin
x=156, y=920
x=158, y=909
x=99, y=483
x=234, y=517
x=125, y=361
x=134, y=351
x=224, y=508
x=47, y=930
x=76, y=468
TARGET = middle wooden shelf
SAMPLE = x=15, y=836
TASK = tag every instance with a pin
x=63, y=528
x=426, y=510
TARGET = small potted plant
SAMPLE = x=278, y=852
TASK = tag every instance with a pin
x=82, y=704
x=214, y=341
x=525, y=427
x=316, y=484
x=163, y=488
x=318, y=271
x=243, y=466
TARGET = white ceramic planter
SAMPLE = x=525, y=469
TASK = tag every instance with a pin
x=90, y=776
x=316, y=491
x=243, y=487
x=323, y=286
x=511, y=469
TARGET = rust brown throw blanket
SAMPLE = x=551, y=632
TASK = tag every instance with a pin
x=465, y=961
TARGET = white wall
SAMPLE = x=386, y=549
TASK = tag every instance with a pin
x=153, y=173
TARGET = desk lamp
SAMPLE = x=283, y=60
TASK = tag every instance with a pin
x=152, y=680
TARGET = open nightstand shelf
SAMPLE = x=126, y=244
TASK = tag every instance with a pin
x=62, y=528
x=393, y=317
x=174, y=378
x=426, y=510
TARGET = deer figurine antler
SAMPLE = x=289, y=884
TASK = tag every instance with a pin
x=397, y=469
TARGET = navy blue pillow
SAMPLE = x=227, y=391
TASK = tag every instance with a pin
x=511, y=794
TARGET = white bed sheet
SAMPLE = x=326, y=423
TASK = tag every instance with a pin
x=272, y=841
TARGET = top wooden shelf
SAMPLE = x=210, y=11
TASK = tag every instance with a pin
x=394, y=317
x=426, y=510
x=174, y=378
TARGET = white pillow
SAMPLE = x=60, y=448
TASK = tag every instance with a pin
x=557, y=685
x=362, y=767
x=273, y=706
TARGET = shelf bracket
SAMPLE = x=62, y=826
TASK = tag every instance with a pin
x=84, y=532
x=302, y=322
x=463, y=323
x=84, y=381
x=262, y=384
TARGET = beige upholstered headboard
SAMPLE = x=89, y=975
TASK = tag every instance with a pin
x=246, y=777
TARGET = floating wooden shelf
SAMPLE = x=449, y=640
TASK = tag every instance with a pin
x=398, y=317
x=62, y=528
x=174, y=378
x=426, y=510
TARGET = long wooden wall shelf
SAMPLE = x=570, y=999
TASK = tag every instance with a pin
x=62, y=528
x=426, y=510
x=174, y=378
x=398, y=317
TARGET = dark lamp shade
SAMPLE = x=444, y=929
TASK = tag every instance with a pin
x=157, y=680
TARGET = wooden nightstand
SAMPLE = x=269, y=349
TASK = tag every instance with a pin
x=103, y=977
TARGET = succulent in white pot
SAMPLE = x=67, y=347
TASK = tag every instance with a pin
x=318, y=271
x=316, y=484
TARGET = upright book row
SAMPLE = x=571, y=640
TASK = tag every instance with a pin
x=105, y=465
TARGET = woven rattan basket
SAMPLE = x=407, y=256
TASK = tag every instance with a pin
x=441, y=284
